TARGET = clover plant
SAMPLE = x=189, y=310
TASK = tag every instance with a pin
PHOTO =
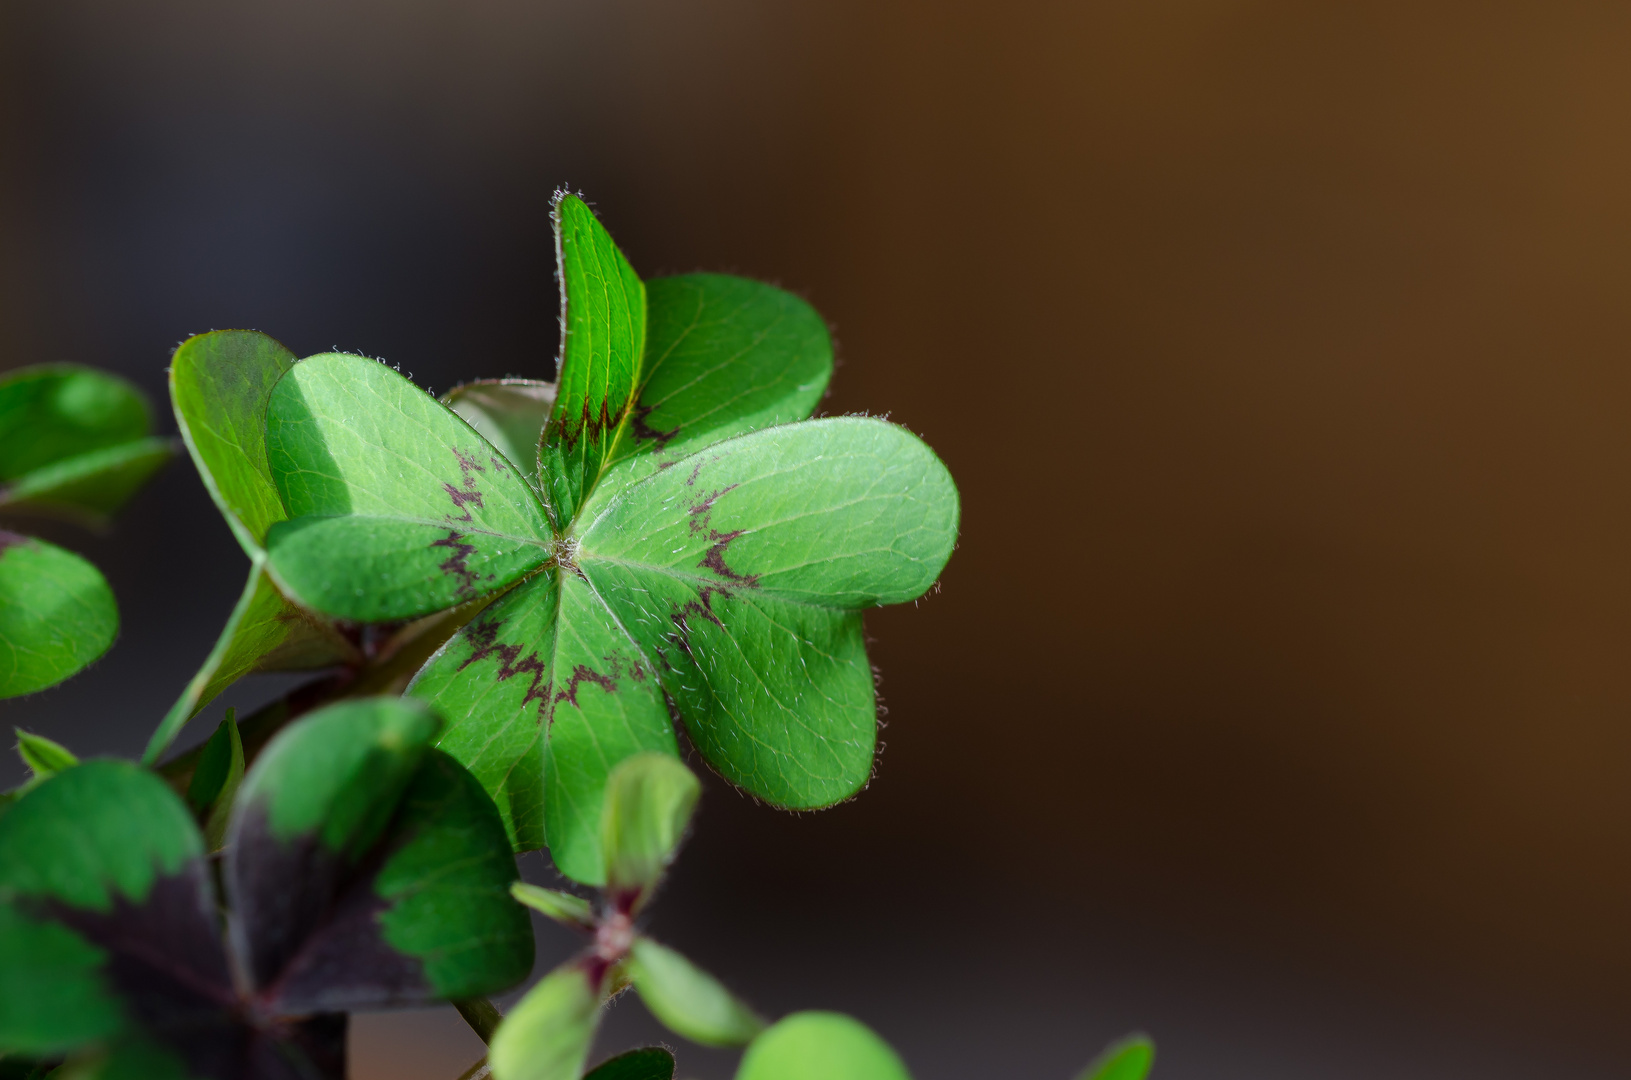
x=512, y=598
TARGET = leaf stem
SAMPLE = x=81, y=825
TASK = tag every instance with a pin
x=478, y=1071
x=482, y=1016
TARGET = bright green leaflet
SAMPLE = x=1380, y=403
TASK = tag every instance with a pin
x=724, y=356
x=341, y=771
x=603, y=330
x=73, y=440
x=220, y=384
x=400, y=509
x=45, y=757
x=509, y=413
x=563, y=907
x=820, y=1046
x=94, y=832
x=56, y=614
x=547, y=1035
x=649, y=801
x=1129, y=1059
x=548, y=657
x=688, y=1000
x=741, y=569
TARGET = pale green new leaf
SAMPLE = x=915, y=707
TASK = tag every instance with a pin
x=56, y=614
x=398, y=508
x=509, y=413
x=688, y=1000
x=820, y=1046
x=649, y=801
x=44, y=757
x=563, y=907
x=547, y=1035
x=603, y=330
x=1129, y=1059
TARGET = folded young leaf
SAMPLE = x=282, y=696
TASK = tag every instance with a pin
x=820, y=1046
x=338, y=868
x=44, y=757
x=509, y=413
x=215, y=782
x=88, y=487
x=563, y=907
x=73, y=439
x=545, y=693
x=724, y=356
x=109, y=945
x=688, y=1000
x=547, y=1035
x=603, y=329
x=1129, y=1059
x=649, y=801
x=398, y=508
x=56, y=614
x=646, y=1063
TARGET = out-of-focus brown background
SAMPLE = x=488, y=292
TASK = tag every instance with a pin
x=1277, y=700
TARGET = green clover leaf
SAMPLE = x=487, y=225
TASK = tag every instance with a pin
x=74, y=442
x=56, y=614
x=219, y=385
x=336, y=867
x=691, y=545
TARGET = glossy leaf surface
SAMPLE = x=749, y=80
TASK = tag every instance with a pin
x=820, y=1046
x=1129, y=1059
x=57, y=614
x=646, y=1063
x=603, y=328
x=547, y=1035
x=398, y=508
x=509, y=413
x=688, y=1000
x=73, y=439
x=649, y=801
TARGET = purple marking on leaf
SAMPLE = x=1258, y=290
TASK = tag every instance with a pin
x=458, y=564
x=700, y=521
x=644, y=432
x=469, y=494
x=482, y=634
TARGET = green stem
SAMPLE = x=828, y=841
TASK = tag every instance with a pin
x=478, y=1071
x=482, y=1016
